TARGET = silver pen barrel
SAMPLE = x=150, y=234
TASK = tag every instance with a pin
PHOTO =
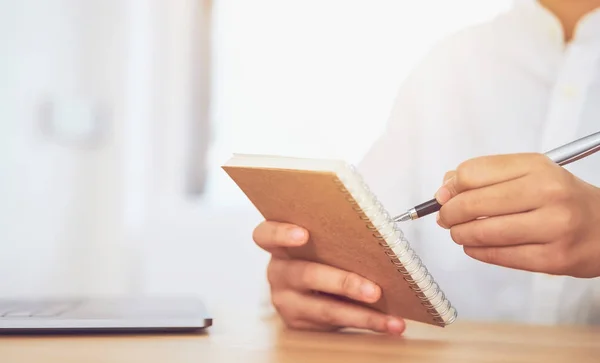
x=575, y=150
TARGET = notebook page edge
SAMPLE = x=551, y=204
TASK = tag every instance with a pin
x=284, y=162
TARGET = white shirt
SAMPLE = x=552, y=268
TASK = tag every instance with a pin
x=511, y=85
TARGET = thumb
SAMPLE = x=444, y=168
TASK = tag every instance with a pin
x=448, y=190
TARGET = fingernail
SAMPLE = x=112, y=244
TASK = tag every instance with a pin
x=368, y=291
x=443, y=195
x=395, y=326
x=297, y=235
x=438, y=220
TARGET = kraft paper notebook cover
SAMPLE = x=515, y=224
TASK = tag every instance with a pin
x=348, y=226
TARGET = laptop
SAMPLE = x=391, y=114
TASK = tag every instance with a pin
x=104, y=315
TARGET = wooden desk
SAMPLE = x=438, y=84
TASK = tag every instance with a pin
x=236, y=338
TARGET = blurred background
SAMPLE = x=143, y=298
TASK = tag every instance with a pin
x=116, y=115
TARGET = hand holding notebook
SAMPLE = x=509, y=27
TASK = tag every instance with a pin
x=310, y=295
x=348, y=228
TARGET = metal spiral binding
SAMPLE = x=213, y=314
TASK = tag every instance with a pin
x=414, y=272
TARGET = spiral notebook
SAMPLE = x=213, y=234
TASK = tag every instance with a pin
x=349, y=228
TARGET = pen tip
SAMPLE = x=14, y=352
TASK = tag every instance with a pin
x=403, y=217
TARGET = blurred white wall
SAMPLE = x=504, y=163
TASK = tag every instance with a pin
x=95, y=99
x=312, y=78
x=60, y=54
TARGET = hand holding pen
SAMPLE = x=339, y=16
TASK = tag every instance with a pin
x=523, y=211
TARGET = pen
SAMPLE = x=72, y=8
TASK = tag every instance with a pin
x=562, y=155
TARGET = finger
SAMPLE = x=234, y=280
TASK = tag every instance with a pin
x=527, y=257
x=312, y=276
x=334, y=313
x=312, y=326
x=272, y=235
x=515, y=196
x=488, y=170
x=509, y=230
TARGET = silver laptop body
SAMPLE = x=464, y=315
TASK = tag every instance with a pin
x=140, y=314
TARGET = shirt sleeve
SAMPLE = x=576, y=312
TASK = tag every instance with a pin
x=389, y=164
